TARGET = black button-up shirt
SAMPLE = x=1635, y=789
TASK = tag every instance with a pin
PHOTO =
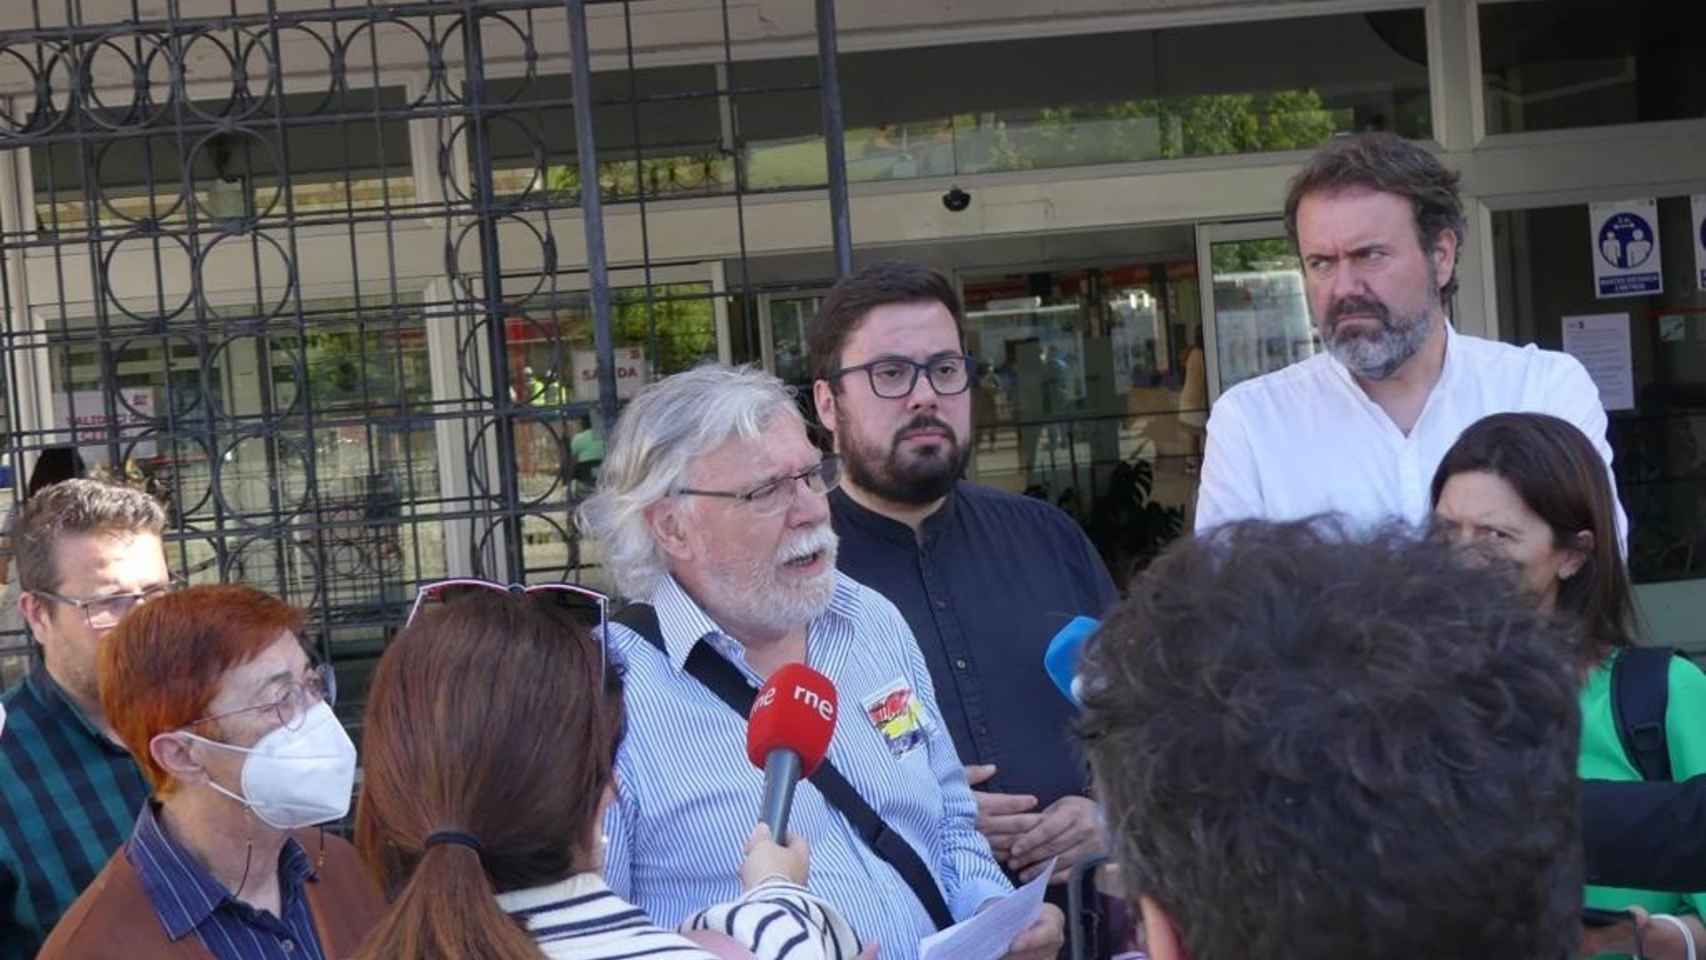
x=985, y=585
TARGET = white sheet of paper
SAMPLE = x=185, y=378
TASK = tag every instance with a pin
x=987, y=935
x=1601, y=343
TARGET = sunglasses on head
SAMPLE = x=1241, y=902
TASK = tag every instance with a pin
x=589, y=607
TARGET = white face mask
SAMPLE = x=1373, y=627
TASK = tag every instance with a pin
x=297, y=778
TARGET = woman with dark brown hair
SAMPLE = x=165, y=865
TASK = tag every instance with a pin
x=1532, y=490
x=489, y=742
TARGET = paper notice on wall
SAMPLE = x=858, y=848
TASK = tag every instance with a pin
x=1626, y=248
x=1698, y=205
x=1601, y=343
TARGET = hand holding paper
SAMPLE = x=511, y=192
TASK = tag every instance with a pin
x=990, y=934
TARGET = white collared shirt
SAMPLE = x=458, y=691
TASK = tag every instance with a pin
x=1306, y=439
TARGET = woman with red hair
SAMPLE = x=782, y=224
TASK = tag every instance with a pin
x=213, y=693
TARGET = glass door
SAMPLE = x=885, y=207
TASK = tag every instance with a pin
x=1254, y=303
x=1080, y=369
x=782, y=332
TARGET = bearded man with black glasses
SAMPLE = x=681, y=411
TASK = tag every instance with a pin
x=87, y=553
x=984, y=578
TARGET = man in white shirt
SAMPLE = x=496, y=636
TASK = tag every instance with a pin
x=1360, y=428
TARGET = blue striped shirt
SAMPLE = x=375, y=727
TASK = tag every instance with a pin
x=68, y=797
x=188, y=900
x=687, y=797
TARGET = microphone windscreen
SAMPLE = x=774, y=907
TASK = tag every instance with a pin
x=1061, y=659
x=795, y=710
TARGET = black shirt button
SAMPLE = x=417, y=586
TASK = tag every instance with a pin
x=960, y=662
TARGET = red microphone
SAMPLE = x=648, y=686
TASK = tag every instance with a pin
x=787, y=735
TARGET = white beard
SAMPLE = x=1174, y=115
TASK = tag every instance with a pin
x=753, y=593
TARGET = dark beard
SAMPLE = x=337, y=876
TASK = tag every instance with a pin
x=923, y=482
x=1379, y=355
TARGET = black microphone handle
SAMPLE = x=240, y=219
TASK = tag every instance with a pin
x=781, y=775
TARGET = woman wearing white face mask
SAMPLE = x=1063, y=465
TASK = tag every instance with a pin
x=212, y=692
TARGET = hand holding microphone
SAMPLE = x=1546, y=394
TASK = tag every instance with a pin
x=787, y=735
x=767, y=859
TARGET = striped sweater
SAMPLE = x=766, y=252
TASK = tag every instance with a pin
x=581, y=919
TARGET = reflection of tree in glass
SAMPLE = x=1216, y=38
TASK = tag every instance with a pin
x=686, y=328
x=681, y=314
x=703, y=172
x=350, y=366
x=1151, y=129
x=1253, y=256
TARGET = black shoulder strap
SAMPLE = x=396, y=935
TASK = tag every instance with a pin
x=1640, y=694
x=725, y=680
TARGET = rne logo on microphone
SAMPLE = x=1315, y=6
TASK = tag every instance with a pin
x=824, y=708
x=765, y=699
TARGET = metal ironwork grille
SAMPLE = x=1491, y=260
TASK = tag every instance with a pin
x=318, y=277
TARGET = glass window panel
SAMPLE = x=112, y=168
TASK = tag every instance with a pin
x=1544, y=273
x=1157, y=94
x=1261, y=312
x=779, y=123
x=184, y=401
x=344, y=162
x=1105, y=343
x=790, y=318
x=1077, y=396
x=554, y=366
x=678, y=151
x=1567, y=63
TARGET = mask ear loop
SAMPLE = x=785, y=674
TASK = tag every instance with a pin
x=248, y=846
x=248, y=853
x=248, y=856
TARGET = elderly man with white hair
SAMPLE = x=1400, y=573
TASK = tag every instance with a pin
x=711, y=509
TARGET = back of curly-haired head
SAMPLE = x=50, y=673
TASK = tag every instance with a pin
x=1314, y=744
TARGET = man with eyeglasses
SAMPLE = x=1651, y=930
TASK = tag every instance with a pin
x=711, y=508
x=985, y=578
x=212, y=691
x=87, y=552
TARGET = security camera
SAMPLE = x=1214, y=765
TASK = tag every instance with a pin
x=956, y=200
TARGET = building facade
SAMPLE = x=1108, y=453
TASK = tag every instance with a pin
x=318, y=273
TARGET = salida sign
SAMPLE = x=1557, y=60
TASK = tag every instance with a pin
x=85, y=413
x=631, y=373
